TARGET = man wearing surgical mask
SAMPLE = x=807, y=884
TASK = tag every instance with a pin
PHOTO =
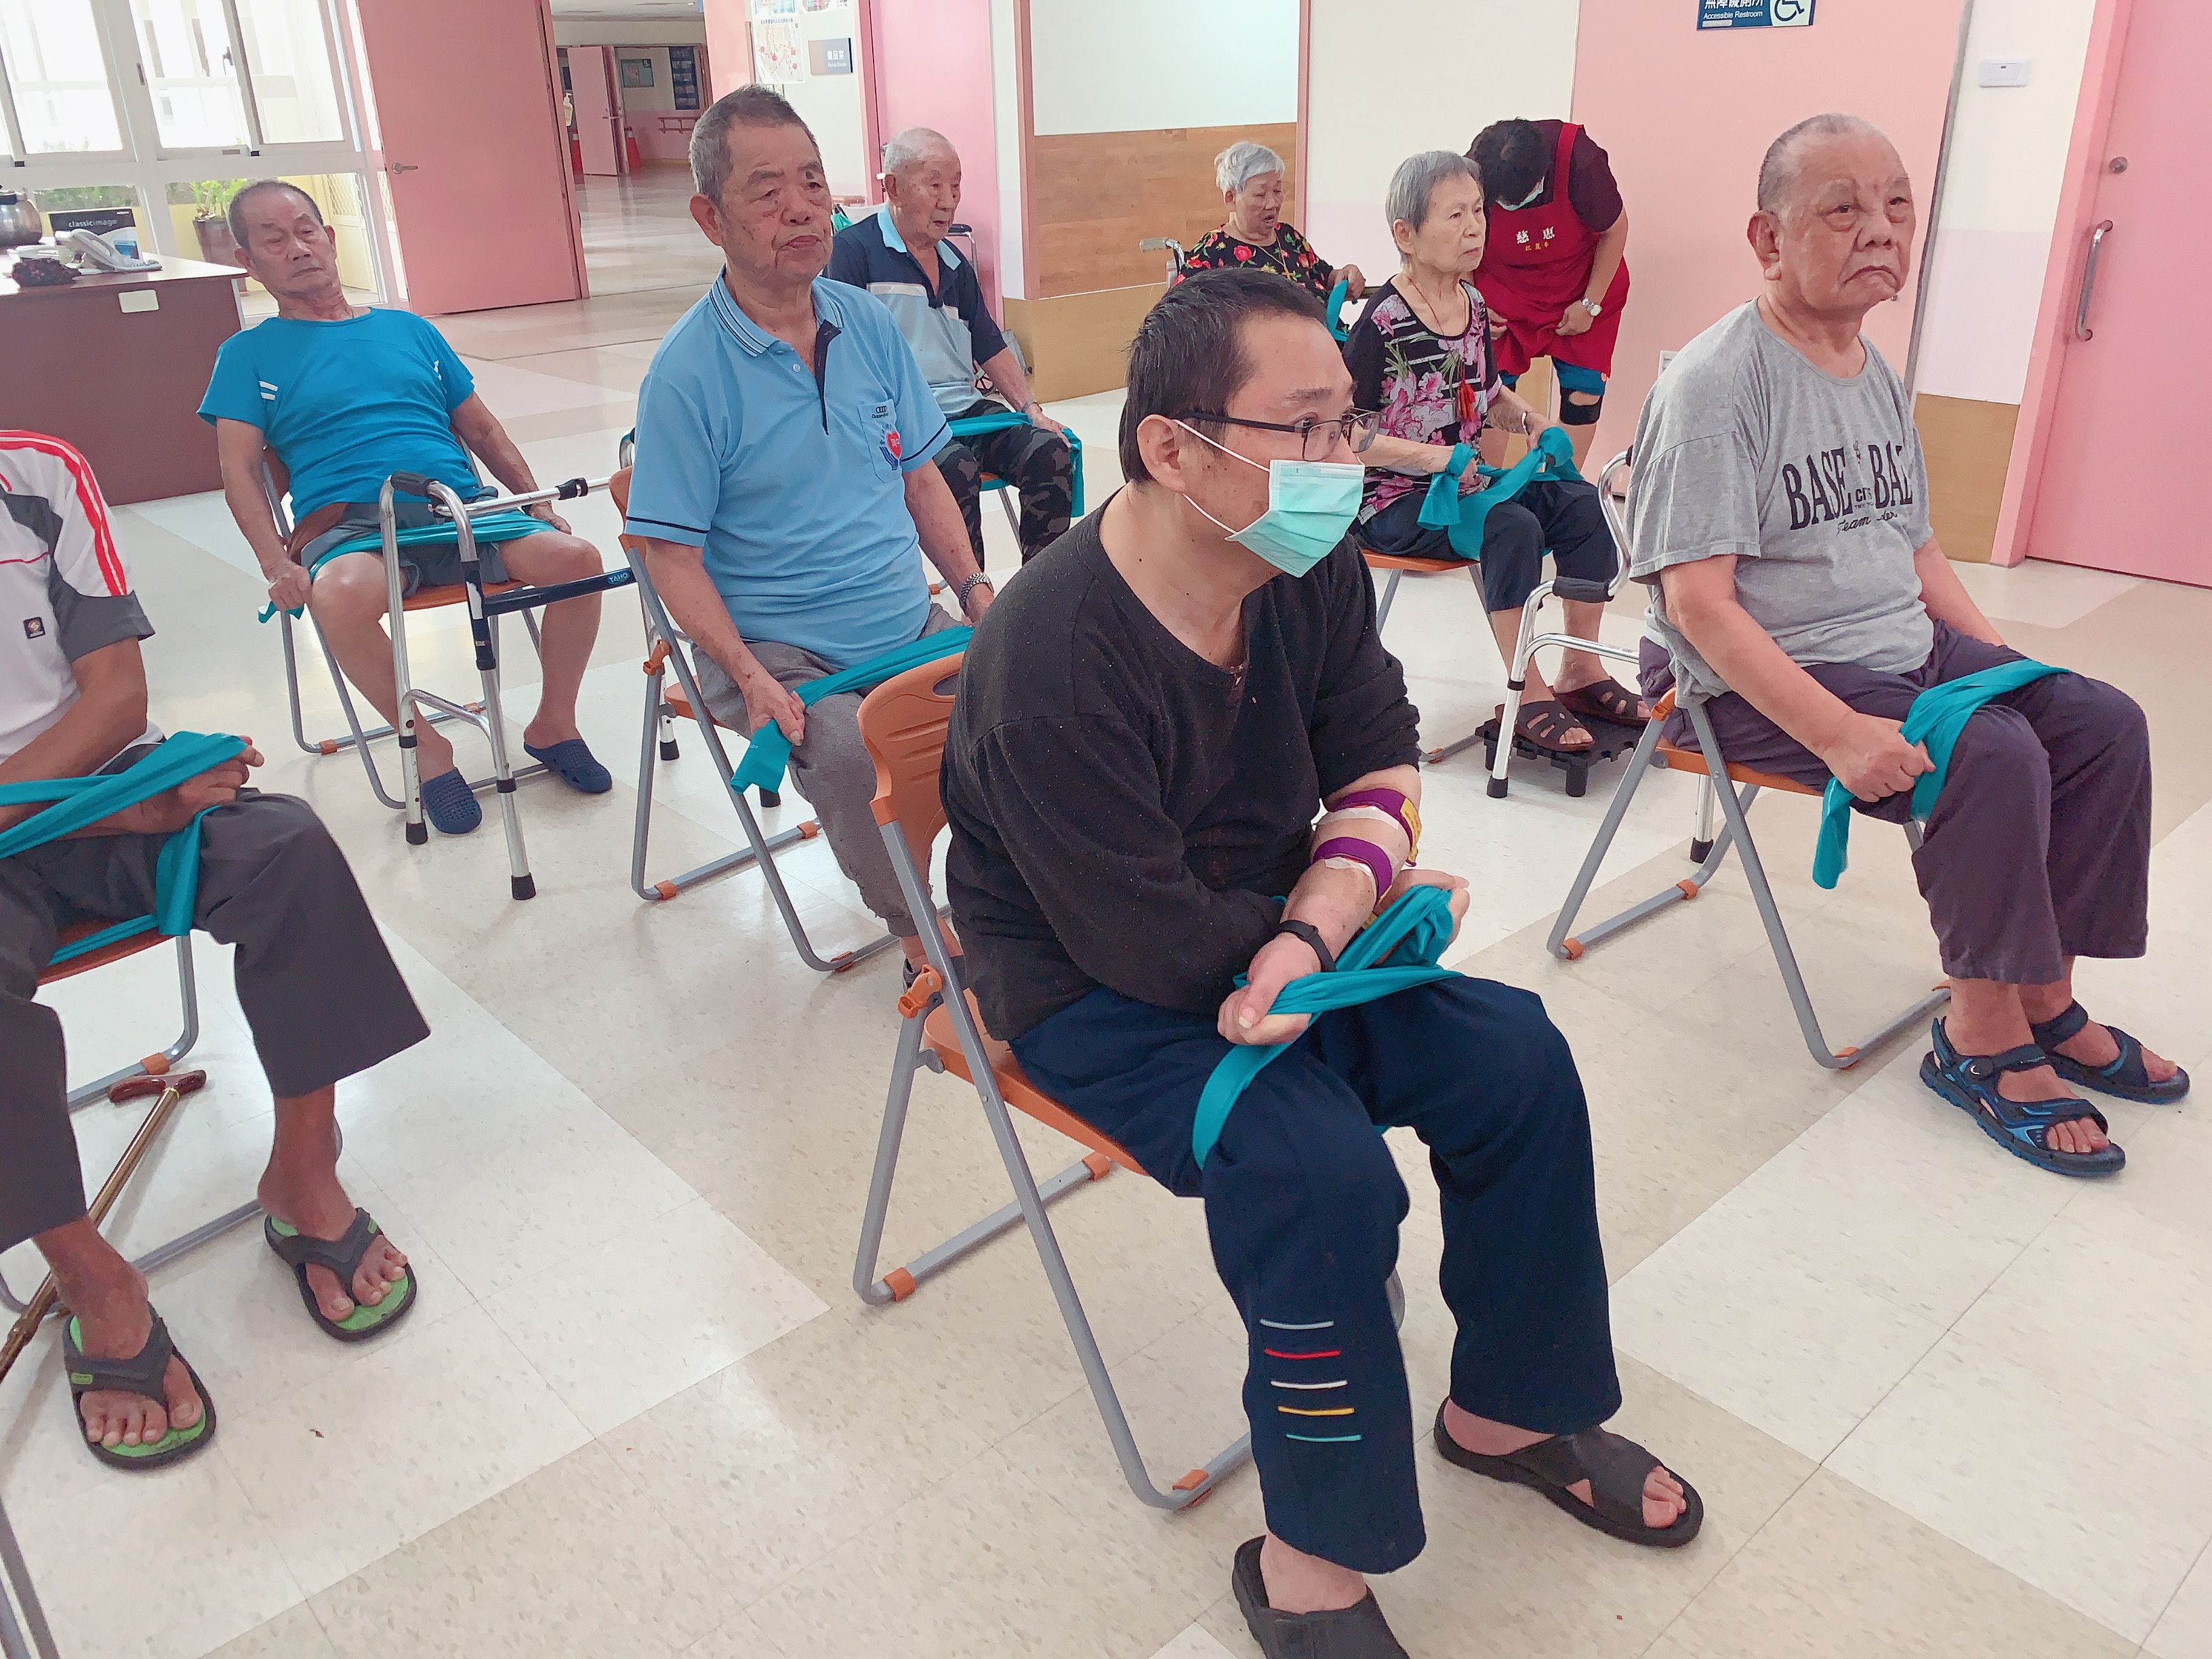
x=1179, y=715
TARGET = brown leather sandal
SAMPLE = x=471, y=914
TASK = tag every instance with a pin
x=1548, y=725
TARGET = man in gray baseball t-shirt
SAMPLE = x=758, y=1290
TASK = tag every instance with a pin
x=1780, y=516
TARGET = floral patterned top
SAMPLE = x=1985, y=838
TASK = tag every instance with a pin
x=1423, y=388
x=1289, y=255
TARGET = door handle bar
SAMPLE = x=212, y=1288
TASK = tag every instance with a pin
x=2081, y=329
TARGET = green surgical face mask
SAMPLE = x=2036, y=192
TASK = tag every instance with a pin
x=1310, y=506
x=1516, y=207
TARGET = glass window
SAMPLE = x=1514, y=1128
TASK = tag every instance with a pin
x=184, y=46
x=80, y=198
x=59, y=75
x=198, y=207
x=289, y=54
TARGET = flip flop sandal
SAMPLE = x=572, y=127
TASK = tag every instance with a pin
x=142, y=1374
x=342, y=1256
x=450, y=804
x=1615, y=1466
x=1358, y=1631
x=1604, y=700
x=2126, y=1078
x=571, y=761
x=1545, y=724
x=2022, y=1127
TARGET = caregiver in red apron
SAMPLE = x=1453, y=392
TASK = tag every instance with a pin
x=1553, y=274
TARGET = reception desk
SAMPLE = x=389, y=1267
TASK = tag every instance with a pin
x=116, y=365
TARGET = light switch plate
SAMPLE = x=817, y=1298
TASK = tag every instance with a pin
x=1665, y=358
x=143, y=299
x=2006, y=71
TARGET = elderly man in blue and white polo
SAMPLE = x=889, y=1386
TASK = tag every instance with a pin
x=782, y=486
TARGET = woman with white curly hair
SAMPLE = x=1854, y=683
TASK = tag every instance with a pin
x=1254, y=236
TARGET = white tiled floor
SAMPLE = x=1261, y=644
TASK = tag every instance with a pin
x=1937, y=1403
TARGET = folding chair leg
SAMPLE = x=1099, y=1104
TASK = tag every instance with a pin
x=1013, y=518
x=30, y=1637
x=188, y=995
x=1701, y=843
x=1383, y=604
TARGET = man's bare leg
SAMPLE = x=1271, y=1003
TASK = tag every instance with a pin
x=2093, y=1045
x=300, y=1188
x=1987, y=1017
x=349, y=600
x=565, y=630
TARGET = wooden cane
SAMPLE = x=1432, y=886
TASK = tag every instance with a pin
x=171, y=1088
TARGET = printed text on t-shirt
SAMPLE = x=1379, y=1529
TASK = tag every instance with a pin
x=1820, y=491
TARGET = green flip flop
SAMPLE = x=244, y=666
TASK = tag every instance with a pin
x=143, y=1373
x=342, y=1256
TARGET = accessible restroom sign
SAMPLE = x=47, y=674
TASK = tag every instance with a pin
x=1754, y=13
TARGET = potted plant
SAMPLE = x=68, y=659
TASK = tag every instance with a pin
x=209, y=197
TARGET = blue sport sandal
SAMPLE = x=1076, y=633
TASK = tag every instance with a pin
x=2127, y=1077
x=2022, y=1127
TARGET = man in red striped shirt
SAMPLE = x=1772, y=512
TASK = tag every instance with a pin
x=317, y=986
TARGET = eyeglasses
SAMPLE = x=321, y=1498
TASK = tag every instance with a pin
x=1318, y=438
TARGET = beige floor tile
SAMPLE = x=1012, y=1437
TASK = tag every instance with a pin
x=572, y=1560
x=2101, y=1509
x=649, y=1312
x=2046, y=595
x=1839, y=1575
x=742, y=1638
x=2185, y=1632
x=1194, y=1643
x=985, y=1562
x=439, y=1417
x=292, y=1635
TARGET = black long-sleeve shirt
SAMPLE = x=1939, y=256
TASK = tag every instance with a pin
x=1125, y=813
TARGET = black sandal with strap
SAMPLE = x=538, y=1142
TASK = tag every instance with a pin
x=1615, y=1466
x=342, y=1256
x=2022, y=1127
x=2126, y=1078
x=1604, y=700
x=146, y=1374
x=1545, y=724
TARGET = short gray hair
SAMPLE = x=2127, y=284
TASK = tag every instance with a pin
x=1778, y=174
x=1416, y=181
x=914, y=144
x=752, y=105
x=1241, y=162
x=235, y=215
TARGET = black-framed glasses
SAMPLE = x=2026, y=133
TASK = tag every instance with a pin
x=1317, y=436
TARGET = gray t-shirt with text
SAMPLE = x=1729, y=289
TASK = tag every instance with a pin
x=1815, y=484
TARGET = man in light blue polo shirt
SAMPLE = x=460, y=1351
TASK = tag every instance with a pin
x=782, y=485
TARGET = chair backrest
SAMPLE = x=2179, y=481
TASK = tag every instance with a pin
x=276, y=484
x=903, y=722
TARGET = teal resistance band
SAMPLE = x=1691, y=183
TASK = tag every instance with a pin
x=1935, y=719
x=504, y=526
x=1550, y=459
x=770, y=752
x=1336, y=298
x=1421, y=923
x=79, y=802
x=974, y=426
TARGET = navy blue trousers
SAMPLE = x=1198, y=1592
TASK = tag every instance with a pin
x=1302, y=1203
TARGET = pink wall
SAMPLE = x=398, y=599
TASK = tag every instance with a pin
x=729, y=46
x=933, y=69
x=653, y=145
x=1687, y=116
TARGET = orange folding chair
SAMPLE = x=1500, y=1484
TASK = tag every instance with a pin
x=1719, y=782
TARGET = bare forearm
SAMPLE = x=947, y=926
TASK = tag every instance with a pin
x=1005, y=372
x=694, y=605
x=1388, y=454
x=94, y=731
x=1612, y=248
x=1337, y=901
x=937, y=521
x=1946, y=596
x=249, y=507
x=1746, y=656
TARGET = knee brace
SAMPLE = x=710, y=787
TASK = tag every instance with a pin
x=1575, y=413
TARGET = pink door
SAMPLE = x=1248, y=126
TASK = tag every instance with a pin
x=931, y=68
x=598, y=108
x=468, y=105
x=2118, y=481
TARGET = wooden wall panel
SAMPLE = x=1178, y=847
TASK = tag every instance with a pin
x=1096, y=195
x=1079, y=343
x=1969, y=447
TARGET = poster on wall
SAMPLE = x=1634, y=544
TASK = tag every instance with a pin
x=683, y=75
x=1754, y=13
x=779, y=52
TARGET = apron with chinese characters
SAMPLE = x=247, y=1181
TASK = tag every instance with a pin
x=1537, y=264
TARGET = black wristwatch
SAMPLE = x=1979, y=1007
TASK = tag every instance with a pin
x=1312, y=935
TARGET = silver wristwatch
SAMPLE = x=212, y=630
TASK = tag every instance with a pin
x=1595, y=308
x=980, y=576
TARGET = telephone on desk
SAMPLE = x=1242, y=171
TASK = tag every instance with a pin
x=98, y=253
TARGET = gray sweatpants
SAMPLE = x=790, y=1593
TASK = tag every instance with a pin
x=319, y=991
x=830, y=765
x=2038, y=848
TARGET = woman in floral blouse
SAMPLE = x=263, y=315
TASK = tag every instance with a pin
x=1255, y=238
x=1420, y=356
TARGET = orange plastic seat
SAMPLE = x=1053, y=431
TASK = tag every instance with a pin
x=1677, y=758
x=57, y=972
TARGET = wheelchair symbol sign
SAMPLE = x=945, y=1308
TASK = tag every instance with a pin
x=1755, y=14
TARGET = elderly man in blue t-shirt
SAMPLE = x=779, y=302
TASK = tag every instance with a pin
x=346, y=396
x=782, y=487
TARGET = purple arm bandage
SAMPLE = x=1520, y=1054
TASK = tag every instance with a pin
x=1361, y=852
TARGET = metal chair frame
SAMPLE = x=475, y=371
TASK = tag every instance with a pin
x=1719, y=784
x=1530, y=639
x=971, y=1059
x=30, y=1637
